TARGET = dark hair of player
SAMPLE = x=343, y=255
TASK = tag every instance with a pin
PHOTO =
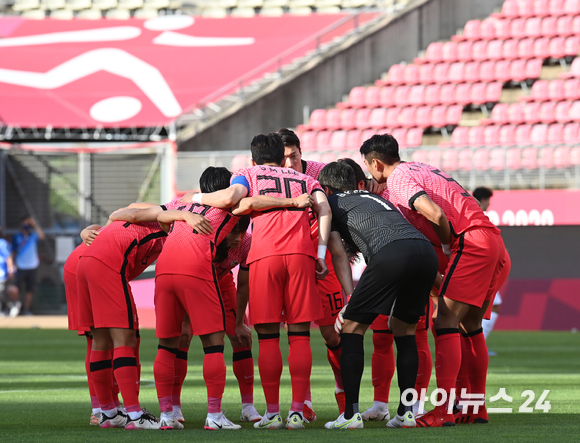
x=383, y=147
x=289, y=138
x=213, y=179
x=267, y=148
x=359, y=175
x=337, y=177
x=221, y=252
x=482, y=193
x=243, y=223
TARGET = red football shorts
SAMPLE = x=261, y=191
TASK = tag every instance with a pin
x=283, y=288
x=331, y=298
x=229, y=296
x=177, y=295
x=70, y=286
x=478, y=266
x=104, y=297
x=498, y=283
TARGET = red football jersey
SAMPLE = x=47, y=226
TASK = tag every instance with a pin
x=412, y=179
x=236, y=256
x=128, y=247
x=312, y=169
x=281, y=231
x=70, y=265
x=186, y=251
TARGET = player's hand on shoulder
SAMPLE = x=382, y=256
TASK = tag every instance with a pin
x=321, y=269
x=304, y=201
x=198, y=222
x=88, y=236
x=375, y=187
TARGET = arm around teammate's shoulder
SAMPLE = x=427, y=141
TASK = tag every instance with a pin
x=224, y=198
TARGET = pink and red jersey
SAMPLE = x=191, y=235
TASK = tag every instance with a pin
x=410, y=180
x=312, y=169
x=236, y=256
x=281, y=231
x=127, y=248
x=186, y=251
x=70, y=265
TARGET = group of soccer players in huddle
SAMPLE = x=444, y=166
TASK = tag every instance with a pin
x=432, y=256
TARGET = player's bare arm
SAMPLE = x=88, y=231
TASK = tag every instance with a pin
x=223, y=199
x=432, y=212
x=322, y=209
x=243, y=333
x=340, y=262
x=136, y=215
x=90, y=233
x=195, y=221
x=265, y=202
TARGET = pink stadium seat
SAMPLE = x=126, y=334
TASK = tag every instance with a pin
x=503, y=70
x=539, y=92
x=526, y=48
x=515, y=114
x=542, y=48
x=497, y=159
x=438, y=116
x=419, y=156
x=407, y=117
x=547, y=112
x=507, y=135
x=347, y=119
x=431, y=96
x=455, y=73
x=353, y=139
x=313, y=157
x=328, y=157
x=416, y=95
x=534, y=27
x=308, y=141
x=487, y=72
x=426, y=73
x=562, y=111
x=518, y=28
x=392, y=118
x=488, y=29
x=499, y=115
x=401, y=94
x=522, y=135
x=434, y=158
x=449, y=52
x=503, y=29
x=574, y=112
x=338, y=141
x=576, y=25
x=395, y=76
x=440, y=72
x=550, y=26
x=564, y=26
x=529, y=158
x=534, y=68
x=562, y=157
x=531, y=112
x=459, y=137
x=434, y=53
x=464, y=50
x=377, y=118
x=517, y=71
x=471, y=73
x=411, y=74
x=447, y=94
x=574, y=69
x=572, y=46
x=414, y=137
x=575, y=156
x=509, y=49
x=513, y=158
x=318, y=119
x=526, y=8
x=555, y=134
x=572, y=7
x=556, y=7
x=333, y=119
x=547, y=157
x=479, y=50
x=423, y=117
x=510, y=9
x=470, y=31
x=449, y=160
x=539, y=135
x=480, y=159
x=400, y=134
x=556, y=90
x=362, y=120
x=323, y=140
x=491, y=135
x=464, y=159
x=475, y=136
x=479, y=93
x=454, y=114
x=387, y=98
x=368, y=133
x=557, y=47
x=572, y=89
x=495, y=50
x=372, y=97
x=463, y=94
x=541, y=7
x=493, y=92
x=355, y=99
x=571, y=135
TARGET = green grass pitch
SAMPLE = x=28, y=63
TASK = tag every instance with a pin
x=44, y=396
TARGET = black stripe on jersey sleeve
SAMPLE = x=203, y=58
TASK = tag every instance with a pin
x=163, y=207
x=224, y=223
x=152, y=237
x=317, y=189
x=415, y=197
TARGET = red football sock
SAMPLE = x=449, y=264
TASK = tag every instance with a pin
x=383, y=365
x=425, y=361
x=448, y=359
x=270, y=366
x=92, y=391
x=333, y=355
x=138, y=337
x=477, y=362
x=180, y=373
x=101, y=368
x=164, y=373
x=125, y=368
x=463, y=375
x=300, y=365
x=243, y=364
x=214, y=375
